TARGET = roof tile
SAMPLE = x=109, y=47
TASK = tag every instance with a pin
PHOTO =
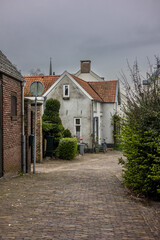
x=47, y=81
x=104, y=91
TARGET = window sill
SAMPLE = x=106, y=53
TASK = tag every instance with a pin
x=66, y=98
x=14, y=118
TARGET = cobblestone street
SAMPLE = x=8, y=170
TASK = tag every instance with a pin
x=74, y=200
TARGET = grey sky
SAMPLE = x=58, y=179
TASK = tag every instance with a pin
x=107, y=32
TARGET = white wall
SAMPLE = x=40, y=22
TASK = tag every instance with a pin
x=107, y=129
x=98, y=113
x=88, y=76
x=78, y=106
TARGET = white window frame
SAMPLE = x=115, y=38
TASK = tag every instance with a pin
x=78, y=125
x=64, y=91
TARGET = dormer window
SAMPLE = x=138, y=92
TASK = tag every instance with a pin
x=66, y=91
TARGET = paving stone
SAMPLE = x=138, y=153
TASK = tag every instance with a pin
x=74, y=200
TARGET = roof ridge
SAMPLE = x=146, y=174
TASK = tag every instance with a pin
x=43, y=76
x=7, y=67
x=102, y=81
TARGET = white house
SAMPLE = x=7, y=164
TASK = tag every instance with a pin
x=86, y=106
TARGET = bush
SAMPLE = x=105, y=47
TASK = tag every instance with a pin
x=67, y=148
x=67, y=133
x=52, y=105
x=140, y=137
x=51, y=122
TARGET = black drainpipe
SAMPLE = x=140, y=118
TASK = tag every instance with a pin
x=1, y=157
x=93, y=125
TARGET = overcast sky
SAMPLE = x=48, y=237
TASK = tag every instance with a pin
x=107, y=32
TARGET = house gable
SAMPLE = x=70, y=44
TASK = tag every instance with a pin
x=71, y=77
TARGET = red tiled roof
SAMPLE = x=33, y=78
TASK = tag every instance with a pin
x=105, y=89
x=87, y=88
x=101, y=90
x=48, y=81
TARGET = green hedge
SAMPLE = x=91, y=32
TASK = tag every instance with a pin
x=67, y=148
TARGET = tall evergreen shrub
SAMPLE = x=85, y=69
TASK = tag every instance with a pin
x=140, y=135
x=51, y=122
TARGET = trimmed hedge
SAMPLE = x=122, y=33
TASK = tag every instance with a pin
x=67, y=148
x=67, y=133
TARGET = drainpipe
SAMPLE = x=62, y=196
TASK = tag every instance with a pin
x=23, y=135
x=1, y=129
x=92, y=125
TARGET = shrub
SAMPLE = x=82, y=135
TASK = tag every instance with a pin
x=51, y=122
x=67, y=133
x=52, y=105
x=140, y=137
x=67, y=148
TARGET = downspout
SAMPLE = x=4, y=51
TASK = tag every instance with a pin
x=23, y=133
x=116, y=97
x=1, y=129
x=93, y=125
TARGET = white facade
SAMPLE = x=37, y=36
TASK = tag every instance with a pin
x=76, y=106
x=84, y=116
x=82, y=110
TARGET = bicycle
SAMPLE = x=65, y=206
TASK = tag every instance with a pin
x=104, y=145
x=85, y=147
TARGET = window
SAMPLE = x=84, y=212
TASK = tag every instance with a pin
x=14, y=107
x=78, y=128
x=66, y=91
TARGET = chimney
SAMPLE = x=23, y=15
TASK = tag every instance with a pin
x=85, y=66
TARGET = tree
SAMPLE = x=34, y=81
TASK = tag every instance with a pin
x=36, y=72
x=51, y=122
x=140, y=134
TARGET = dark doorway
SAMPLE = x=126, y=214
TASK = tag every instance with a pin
x=32, y=148
x=96, y=129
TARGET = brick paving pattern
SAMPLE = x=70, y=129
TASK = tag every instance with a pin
x=74, y=200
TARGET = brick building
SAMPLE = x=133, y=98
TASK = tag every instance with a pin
x=11, y=117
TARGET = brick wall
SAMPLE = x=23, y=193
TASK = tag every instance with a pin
x=39, y=139
x=12, y=128
x=27, y=121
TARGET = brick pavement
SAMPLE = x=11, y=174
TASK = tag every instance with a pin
x=74, y=200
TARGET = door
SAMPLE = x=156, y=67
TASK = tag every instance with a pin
x=96, y=129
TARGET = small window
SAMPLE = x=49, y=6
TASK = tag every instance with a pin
x=78, y=128
x=66, y=91
x=14, y=107
x=78, y=131
x=77, y=121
